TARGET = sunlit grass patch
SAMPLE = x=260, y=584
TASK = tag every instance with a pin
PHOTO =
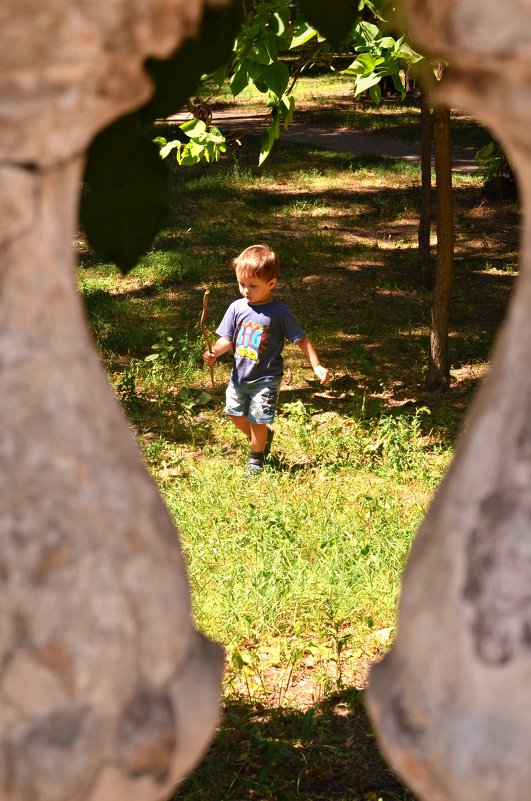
x=315, y=545
x=311, y=91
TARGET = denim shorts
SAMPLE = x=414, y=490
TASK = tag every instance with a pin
x=256, y=401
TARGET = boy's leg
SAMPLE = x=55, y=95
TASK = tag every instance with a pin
x=242, y=423
x=246, y=428
x=261, y=415
x=258, y=441
x=237, y=408
x=262, y=409
x=269, y=440
x=259, y=433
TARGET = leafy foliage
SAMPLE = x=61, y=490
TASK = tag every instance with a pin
x=378, y=56
x=495, y=167
x=266, y=33
x=204, y=143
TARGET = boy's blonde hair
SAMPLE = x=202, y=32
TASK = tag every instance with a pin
x=259, y=261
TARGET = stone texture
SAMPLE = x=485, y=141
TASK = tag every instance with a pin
x=451, y=701
x=81, y=67
x=97, y=645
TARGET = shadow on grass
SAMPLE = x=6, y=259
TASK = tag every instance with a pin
x=327, y=752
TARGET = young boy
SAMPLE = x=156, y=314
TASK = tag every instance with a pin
x=255, y=328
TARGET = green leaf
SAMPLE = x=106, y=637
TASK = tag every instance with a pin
x=367, y=32
x=486, y=151
x=408, y=54
x=376, y=93
x=276, y=76
x=368, y=63
x=333, y=19
x=266, y=144
x=271, y=133
x=303, y=36
x=215, y=135
x=255, y=70
x=275, y=123
x=280, y=21
x=193, y=128
x=261, y=53
x=397, y=83
x=272, y=45
x=287, y=108
x=240, y=79
x=363, y=84
x=253, y=31
x=166, y=150
x=196, y=148
x=356, y=68
x=187, y=158
x=126, y=193
x=378, y=7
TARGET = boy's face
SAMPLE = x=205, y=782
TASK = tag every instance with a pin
x=253, y=289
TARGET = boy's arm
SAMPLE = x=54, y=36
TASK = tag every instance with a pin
x=218, y=349
x=322, y=373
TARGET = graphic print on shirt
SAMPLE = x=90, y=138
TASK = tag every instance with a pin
x=250, y=340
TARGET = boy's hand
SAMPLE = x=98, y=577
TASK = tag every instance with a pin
x=209, y=358
x=322, y=374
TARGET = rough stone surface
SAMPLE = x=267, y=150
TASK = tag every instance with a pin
x=451, y=701
x=107, y=692
x=81, y=67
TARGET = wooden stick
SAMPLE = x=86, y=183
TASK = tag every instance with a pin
x=205, y=332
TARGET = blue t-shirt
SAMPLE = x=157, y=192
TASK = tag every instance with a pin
x=257, y=334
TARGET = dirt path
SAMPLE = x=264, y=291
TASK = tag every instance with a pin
x=344, y=140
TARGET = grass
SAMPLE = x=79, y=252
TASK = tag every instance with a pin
x=330, y=562
x=323, y=752
x=297, y=572
x=328, y=99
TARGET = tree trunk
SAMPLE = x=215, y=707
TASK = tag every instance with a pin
x=107, y=692
x=451, y=701
x=439, y=364
x=424, y=261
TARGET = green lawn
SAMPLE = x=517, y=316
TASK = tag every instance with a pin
x=327, y=98
x=297, y=572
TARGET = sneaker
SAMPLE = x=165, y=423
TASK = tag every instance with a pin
x=269, y=440
x=254, y=467
x=255, y=464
